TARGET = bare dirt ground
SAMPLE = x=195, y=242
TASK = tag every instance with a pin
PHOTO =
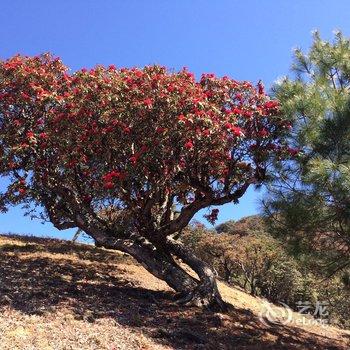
x=56, y=295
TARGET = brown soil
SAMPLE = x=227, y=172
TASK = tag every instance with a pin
x=56, y=295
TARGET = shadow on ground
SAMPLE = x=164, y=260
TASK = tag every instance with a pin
x=41, y=275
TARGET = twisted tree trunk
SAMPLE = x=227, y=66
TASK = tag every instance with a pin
x=206, y=292
x=160, y=262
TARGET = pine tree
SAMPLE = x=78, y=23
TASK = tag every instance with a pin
x=310, y=196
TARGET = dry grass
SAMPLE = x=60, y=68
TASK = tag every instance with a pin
x=57, y=295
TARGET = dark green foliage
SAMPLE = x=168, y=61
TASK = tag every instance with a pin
x=309, y=199
x=337, y=294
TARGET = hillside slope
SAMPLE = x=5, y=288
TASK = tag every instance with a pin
x=56, y=295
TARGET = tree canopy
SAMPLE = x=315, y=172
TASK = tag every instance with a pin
x=86, y=144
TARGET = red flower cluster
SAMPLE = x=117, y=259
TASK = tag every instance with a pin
x=148, y=102
x=22, y=191
x=181, y=118
x=237, y=131
x=30, y=135
x=271, y=105
x=189, y=144
x=212, y=216
x=135, y=131
x=263, y=133
x=109, y=179
x=293, y=151
x=133, y=159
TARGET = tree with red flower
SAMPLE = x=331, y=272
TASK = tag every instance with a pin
x=141, y=141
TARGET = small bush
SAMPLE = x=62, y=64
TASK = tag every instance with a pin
x=256, y=263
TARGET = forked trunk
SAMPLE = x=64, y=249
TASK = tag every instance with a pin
x=160, y=262
x=206, y=292
x=156, y=262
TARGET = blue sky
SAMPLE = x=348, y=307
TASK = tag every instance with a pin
x=248, y=40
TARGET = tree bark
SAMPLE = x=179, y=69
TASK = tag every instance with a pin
x=160, y=263
x=206, y=292
x=157, y=262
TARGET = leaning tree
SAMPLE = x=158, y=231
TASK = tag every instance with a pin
x=140, y=141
